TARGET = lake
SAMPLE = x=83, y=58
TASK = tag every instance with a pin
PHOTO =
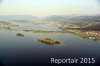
x=27, y=51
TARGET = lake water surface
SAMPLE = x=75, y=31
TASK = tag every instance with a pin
x=27, y=51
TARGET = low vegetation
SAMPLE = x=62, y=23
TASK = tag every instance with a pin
x=48, y=41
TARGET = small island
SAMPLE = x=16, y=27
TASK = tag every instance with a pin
x=48, y=41
x=20, y=35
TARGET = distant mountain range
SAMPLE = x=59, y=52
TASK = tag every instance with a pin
x=86, y=22
x=73, y=19
x=3, y=22
x=18, y=18
x=54, y=18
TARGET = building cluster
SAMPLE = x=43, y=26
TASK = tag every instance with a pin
x=6, y=26
x=97, y=33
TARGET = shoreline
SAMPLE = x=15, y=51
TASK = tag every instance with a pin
x=94, y=35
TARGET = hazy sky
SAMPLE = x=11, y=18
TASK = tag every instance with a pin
x=49, y=7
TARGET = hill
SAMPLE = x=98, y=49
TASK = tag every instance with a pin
x=73, y=19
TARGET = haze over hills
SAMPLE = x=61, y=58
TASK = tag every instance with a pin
x=3, y=22
x=53, y=18
x=17, y=18
x=73, y=19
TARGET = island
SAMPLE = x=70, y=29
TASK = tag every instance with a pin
x=48, y=41
x=19, y=35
